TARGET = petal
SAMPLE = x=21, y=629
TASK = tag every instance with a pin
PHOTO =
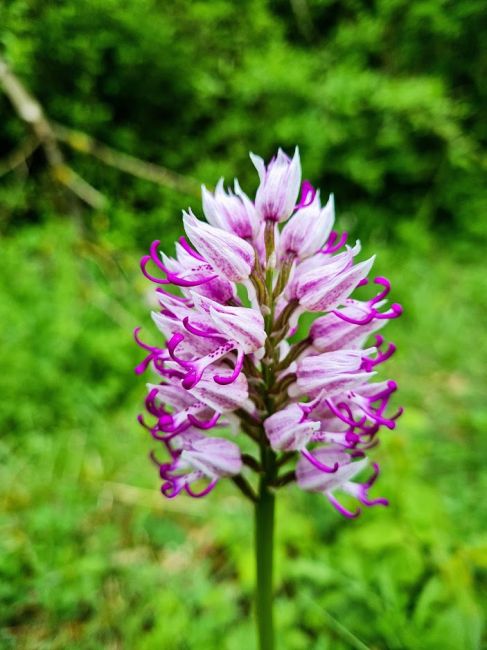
x=331, y=333
x=243, y=325
x=289, y=430
x=279, y=186
x=327, y=295
x=308, y=229
x=230, y=398
x=214, y=457
x=259, y=165
x=230, y=256
x=309, y=477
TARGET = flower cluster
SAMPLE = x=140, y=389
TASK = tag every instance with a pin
x=230, y=303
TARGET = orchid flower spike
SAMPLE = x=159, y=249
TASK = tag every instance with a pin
x=229, y=302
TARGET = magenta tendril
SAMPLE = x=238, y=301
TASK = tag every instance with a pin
x=332, y=245
x=190, y=251
x=204, y=425
x=198, y=332
x=308, y=194
x=321, y=466
x=224, y=381
x=346, y=513
x=207, y=490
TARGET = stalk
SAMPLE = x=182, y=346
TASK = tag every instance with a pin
x=264, y=551
x=265, y=503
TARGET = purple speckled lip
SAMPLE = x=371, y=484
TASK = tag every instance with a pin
x=229, y=302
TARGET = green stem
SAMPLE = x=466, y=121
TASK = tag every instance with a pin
x=265, y=503
x=264, y=549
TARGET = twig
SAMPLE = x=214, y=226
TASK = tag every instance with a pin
x=49, y=134
x=30, y=111
x=81, y=188
x=19, y=156
x=84, y=143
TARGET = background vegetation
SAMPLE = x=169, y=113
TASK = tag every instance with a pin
x=386, y=100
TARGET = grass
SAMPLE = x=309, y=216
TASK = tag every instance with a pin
x=92, y=557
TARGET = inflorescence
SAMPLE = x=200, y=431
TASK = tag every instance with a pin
x=235, y=357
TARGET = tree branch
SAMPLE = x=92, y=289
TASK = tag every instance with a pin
x=19, y=155
x=30, y=111
x=48, y=135
x=84, y=143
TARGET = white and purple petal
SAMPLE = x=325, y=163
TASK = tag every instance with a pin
x=230, y=256
x=279, y=186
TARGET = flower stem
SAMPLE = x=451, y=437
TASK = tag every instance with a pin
x=264, y=548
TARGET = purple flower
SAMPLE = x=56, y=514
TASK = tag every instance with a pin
x=229, y=303
x=327, y=286
x=230, y=256
x=331, y=332
x=197, y=457
x=289, y=429
x=232, y=212
x=309, y=477
x=279, y=186
x=331, y=372
x=309, y=230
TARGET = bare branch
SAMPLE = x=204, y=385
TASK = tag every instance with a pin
x=83, y=190
x=48, y=135
x=84, y=143
x=30, y=111
x=19, y=156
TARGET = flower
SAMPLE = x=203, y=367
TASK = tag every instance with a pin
x=228, y=366
x=230, y=256
x=195, y=456
x=308, y=231
x=232, y=212
x=279, y=186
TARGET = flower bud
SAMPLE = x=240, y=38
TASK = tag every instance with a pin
x=308, y=229
x=240, y=324
x=310, y=478
x=329, y=332
x=234, y=213
x=279, y=186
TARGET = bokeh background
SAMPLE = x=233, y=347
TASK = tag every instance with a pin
x=386, y=100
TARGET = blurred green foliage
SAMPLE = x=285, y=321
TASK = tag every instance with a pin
x=385, y=100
